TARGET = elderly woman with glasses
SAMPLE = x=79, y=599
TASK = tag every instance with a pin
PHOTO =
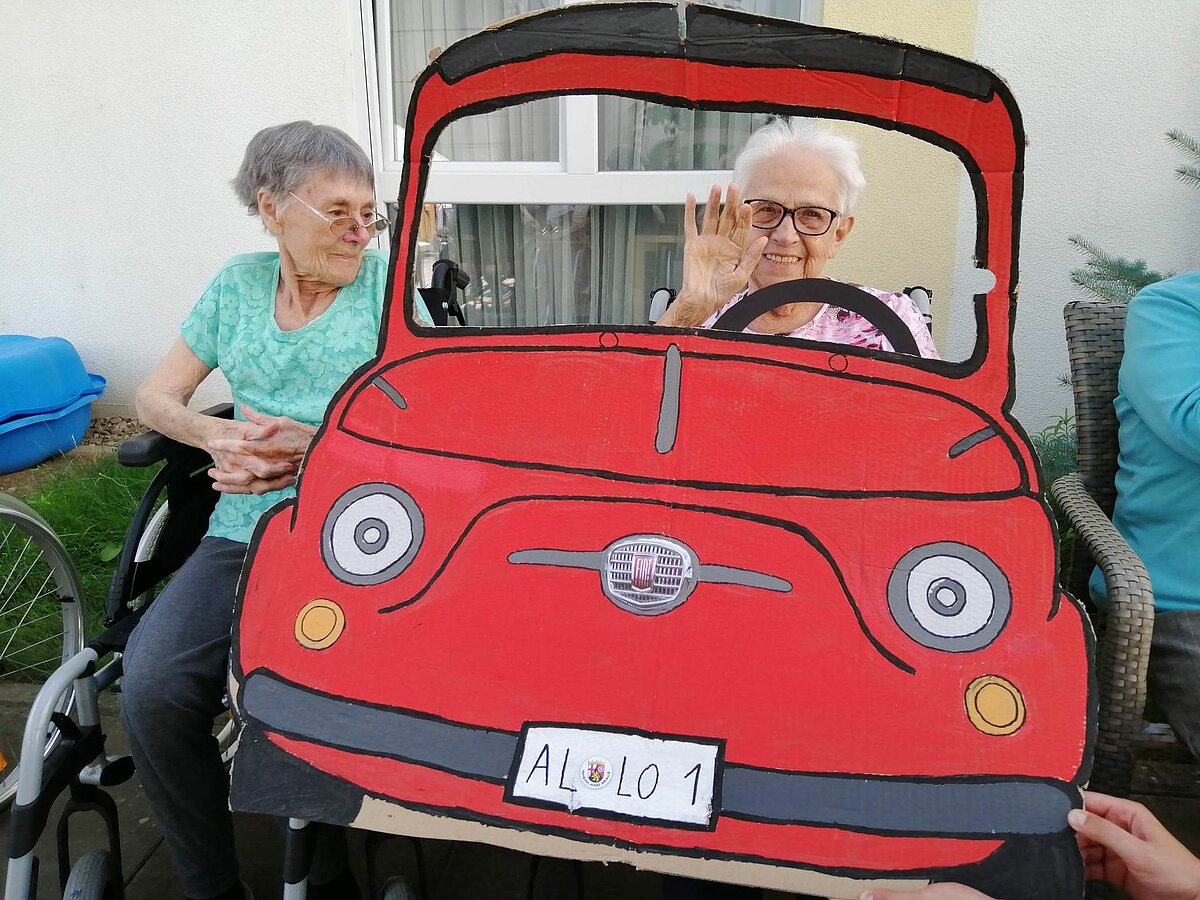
x=285, y=328
x=801, y=185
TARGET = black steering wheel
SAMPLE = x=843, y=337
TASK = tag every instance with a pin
x=821, y=290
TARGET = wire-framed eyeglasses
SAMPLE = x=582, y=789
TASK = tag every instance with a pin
x=373, y=222
x=810, y=220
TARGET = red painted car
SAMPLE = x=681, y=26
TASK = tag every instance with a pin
x=671, y=590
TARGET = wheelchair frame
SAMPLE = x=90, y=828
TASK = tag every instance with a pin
x=63, y=748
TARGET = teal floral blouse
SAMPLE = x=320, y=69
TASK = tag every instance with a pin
x=280, y=373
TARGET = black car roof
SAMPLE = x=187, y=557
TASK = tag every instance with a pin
x=708, y=35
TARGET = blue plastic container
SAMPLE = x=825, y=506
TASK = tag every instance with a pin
x=39, y=375
x=46, y=399
x=27, y=440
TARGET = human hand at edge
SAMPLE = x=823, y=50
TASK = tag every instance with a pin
x=1124, y=845
x=718, y=258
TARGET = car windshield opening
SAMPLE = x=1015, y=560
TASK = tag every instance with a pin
x=550, y=243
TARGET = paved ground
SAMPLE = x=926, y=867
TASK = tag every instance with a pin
x=455, y=871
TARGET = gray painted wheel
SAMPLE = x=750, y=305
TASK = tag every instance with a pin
x=93, y=877
x=41, y=620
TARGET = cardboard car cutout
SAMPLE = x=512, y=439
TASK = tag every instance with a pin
x=667, y=596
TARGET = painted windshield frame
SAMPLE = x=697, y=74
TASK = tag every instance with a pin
x=945, y=101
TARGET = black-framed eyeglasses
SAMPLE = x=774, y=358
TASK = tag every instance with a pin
x=811, y=220
x=373, y=222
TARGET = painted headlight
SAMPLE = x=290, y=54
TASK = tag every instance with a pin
x=319, y=624
x=371, y=534
x=949, y=596
x=994, y=705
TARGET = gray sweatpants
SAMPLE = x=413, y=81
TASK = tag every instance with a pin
x=176, y=665
x=1174, y=679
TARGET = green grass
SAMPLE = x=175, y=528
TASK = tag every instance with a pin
x=89, y=505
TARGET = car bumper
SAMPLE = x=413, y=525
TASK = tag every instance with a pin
x=957, y=807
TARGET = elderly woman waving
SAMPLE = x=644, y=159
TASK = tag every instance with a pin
x=801, y=185
x=286, y=328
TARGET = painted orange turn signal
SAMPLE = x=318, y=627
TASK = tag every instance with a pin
x=994, y=705
x=319, y=624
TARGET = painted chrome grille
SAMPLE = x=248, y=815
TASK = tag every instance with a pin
x=639, y=585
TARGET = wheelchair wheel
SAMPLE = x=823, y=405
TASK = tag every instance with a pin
x=42, y=622
x=147, y=546
x=93, y=877
x=227, y=736
x=398, y=888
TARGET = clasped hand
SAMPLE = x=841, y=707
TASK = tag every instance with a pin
x=258, y=455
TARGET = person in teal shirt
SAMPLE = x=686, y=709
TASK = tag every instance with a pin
x=286, y=329
x=1158, y=485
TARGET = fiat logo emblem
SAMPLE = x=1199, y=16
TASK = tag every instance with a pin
x=648, y=574
x=642, y=573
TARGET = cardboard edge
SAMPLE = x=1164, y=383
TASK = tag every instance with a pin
x=381, y=815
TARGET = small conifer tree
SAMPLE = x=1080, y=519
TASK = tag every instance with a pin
x=1115, y=278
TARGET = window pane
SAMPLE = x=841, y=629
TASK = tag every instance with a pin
x=561, y=264
x=591, y=262
x=423, y=28
x=792, y=10
x=636, y=135
x=524, y=133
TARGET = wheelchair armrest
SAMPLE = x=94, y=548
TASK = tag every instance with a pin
x=150, y=447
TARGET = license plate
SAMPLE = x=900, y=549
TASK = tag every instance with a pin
x=617, y=774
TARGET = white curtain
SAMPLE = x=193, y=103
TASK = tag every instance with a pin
x=423, y=28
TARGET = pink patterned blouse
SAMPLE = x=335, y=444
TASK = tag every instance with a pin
x=835, y=325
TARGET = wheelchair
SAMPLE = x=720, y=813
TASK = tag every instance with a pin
x=63, y=747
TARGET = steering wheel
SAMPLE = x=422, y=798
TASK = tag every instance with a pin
x=821, y=290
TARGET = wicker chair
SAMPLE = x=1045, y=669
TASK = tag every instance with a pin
x=1095, y=344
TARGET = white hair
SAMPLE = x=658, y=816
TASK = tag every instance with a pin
x=281, y=158
x=840, y=152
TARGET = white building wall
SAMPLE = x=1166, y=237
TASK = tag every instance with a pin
x=1099, y=82
x=121, y=124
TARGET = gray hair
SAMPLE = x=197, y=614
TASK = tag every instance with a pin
x=281, y=158
x=841, y=153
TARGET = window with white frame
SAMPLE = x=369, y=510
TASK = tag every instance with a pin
x=563, y=209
